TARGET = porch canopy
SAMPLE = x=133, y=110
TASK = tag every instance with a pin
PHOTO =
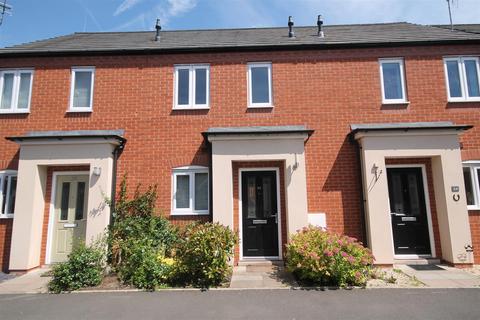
x=40, y=150
x=438, y=141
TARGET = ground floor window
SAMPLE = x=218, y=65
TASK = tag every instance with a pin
x=8, y=186
x=471, y=174
x=190, y=191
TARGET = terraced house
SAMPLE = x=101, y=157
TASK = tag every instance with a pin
x=368, y=130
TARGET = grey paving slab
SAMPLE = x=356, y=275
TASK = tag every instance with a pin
x=442, y=277
x=32, y=282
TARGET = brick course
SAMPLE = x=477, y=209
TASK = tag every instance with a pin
x=326, y=90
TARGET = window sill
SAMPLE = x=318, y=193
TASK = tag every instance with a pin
x=395, y=102
x=14, y=112
x=190, y=213
x=79, y=110
x=189, y=108
x=473, y=208
x=6, y=216
x=464, y=100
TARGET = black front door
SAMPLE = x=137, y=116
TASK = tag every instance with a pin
x=260, y=214
x=408, y=211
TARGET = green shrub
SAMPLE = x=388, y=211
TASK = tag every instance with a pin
x=144, y=265
x=203, y=254
x=325, y=258
x=84, y=268
x=154, y=231
x=141, y=242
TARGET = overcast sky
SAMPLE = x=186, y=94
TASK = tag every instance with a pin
x=39, y=19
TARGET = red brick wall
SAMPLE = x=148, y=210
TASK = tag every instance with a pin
x=236, y=214
x=5, y=241
x=431, y=195
x=326, y=90
x=475, y=230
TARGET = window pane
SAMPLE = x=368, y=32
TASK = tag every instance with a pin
x=82, y=91
x=201, y=191
x=183, y=84
x=472, y=78
x=468, y=186
x=454, y=79
x=251, y=197
x=182, y=194
x=79, y=207
x=392, y=80
x=200, y=86
x=7, y=91
x=24, y=90
x=64, y=201
x=4, y=186
x=260, y=85
x=12, y=194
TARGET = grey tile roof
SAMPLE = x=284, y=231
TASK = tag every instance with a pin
x=237, y=39
x=31, y=135
x=257, y=130
x=473, y=28
x=407, y=126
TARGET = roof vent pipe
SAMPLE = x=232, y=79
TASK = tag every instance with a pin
x=291, y=34
x=158, y=27
x=320, y=33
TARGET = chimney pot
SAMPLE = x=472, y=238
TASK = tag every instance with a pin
x=320, y=33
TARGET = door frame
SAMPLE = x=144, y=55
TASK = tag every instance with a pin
x=51, y=211
x=240, y=214
x=428, y=212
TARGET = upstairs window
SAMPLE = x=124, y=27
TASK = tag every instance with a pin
x=190, y=191
x=16, y=89
x=191, y=87
x=462, y=75
x=392, y=81
x=260, y=85
x=81, y=95
x=8, y=187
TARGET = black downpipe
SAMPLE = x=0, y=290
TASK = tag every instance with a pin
x=116, y=153
x=362, y=193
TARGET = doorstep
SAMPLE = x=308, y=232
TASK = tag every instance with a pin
x=417, y=261
x=261, y=274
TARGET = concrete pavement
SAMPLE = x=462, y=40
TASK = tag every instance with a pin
x=32, y=282
x=441, y=276
x=392, y=304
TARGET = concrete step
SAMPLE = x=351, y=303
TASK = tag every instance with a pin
x=419, y=261
x=259, y=265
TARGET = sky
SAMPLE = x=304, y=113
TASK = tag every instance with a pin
x=40, y=19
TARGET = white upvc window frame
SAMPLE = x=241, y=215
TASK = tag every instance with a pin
x=401, y=63
x=463, y=78
x=16, y=89
x=189, y=171
x=268, y=104
x=474, y=167
x=191, y=87
x=5, y=178
x=73, y=71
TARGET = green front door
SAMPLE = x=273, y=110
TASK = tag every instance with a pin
x=70, y=218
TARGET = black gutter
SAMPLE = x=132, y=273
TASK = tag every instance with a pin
x=248, y=48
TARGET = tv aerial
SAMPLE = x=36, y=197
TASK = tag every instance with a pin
x=4, y=9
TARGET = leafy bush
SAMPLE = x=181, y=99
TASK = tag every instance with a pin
x=84, y=268
x=320, y=257
x=203, y=254
x=141, y=242
x=145, y=266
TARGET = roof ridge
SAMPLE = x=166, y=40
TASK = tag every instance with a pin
x=245, y=28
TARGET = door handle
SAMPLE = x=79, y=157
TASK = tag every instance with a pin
x=276, y=218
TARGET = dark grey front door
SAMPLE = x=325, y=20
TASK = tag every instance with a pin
x=260, y=214
x=408, y=211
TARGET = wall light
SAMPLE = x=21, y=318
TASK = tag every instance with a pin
x=97, y=171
